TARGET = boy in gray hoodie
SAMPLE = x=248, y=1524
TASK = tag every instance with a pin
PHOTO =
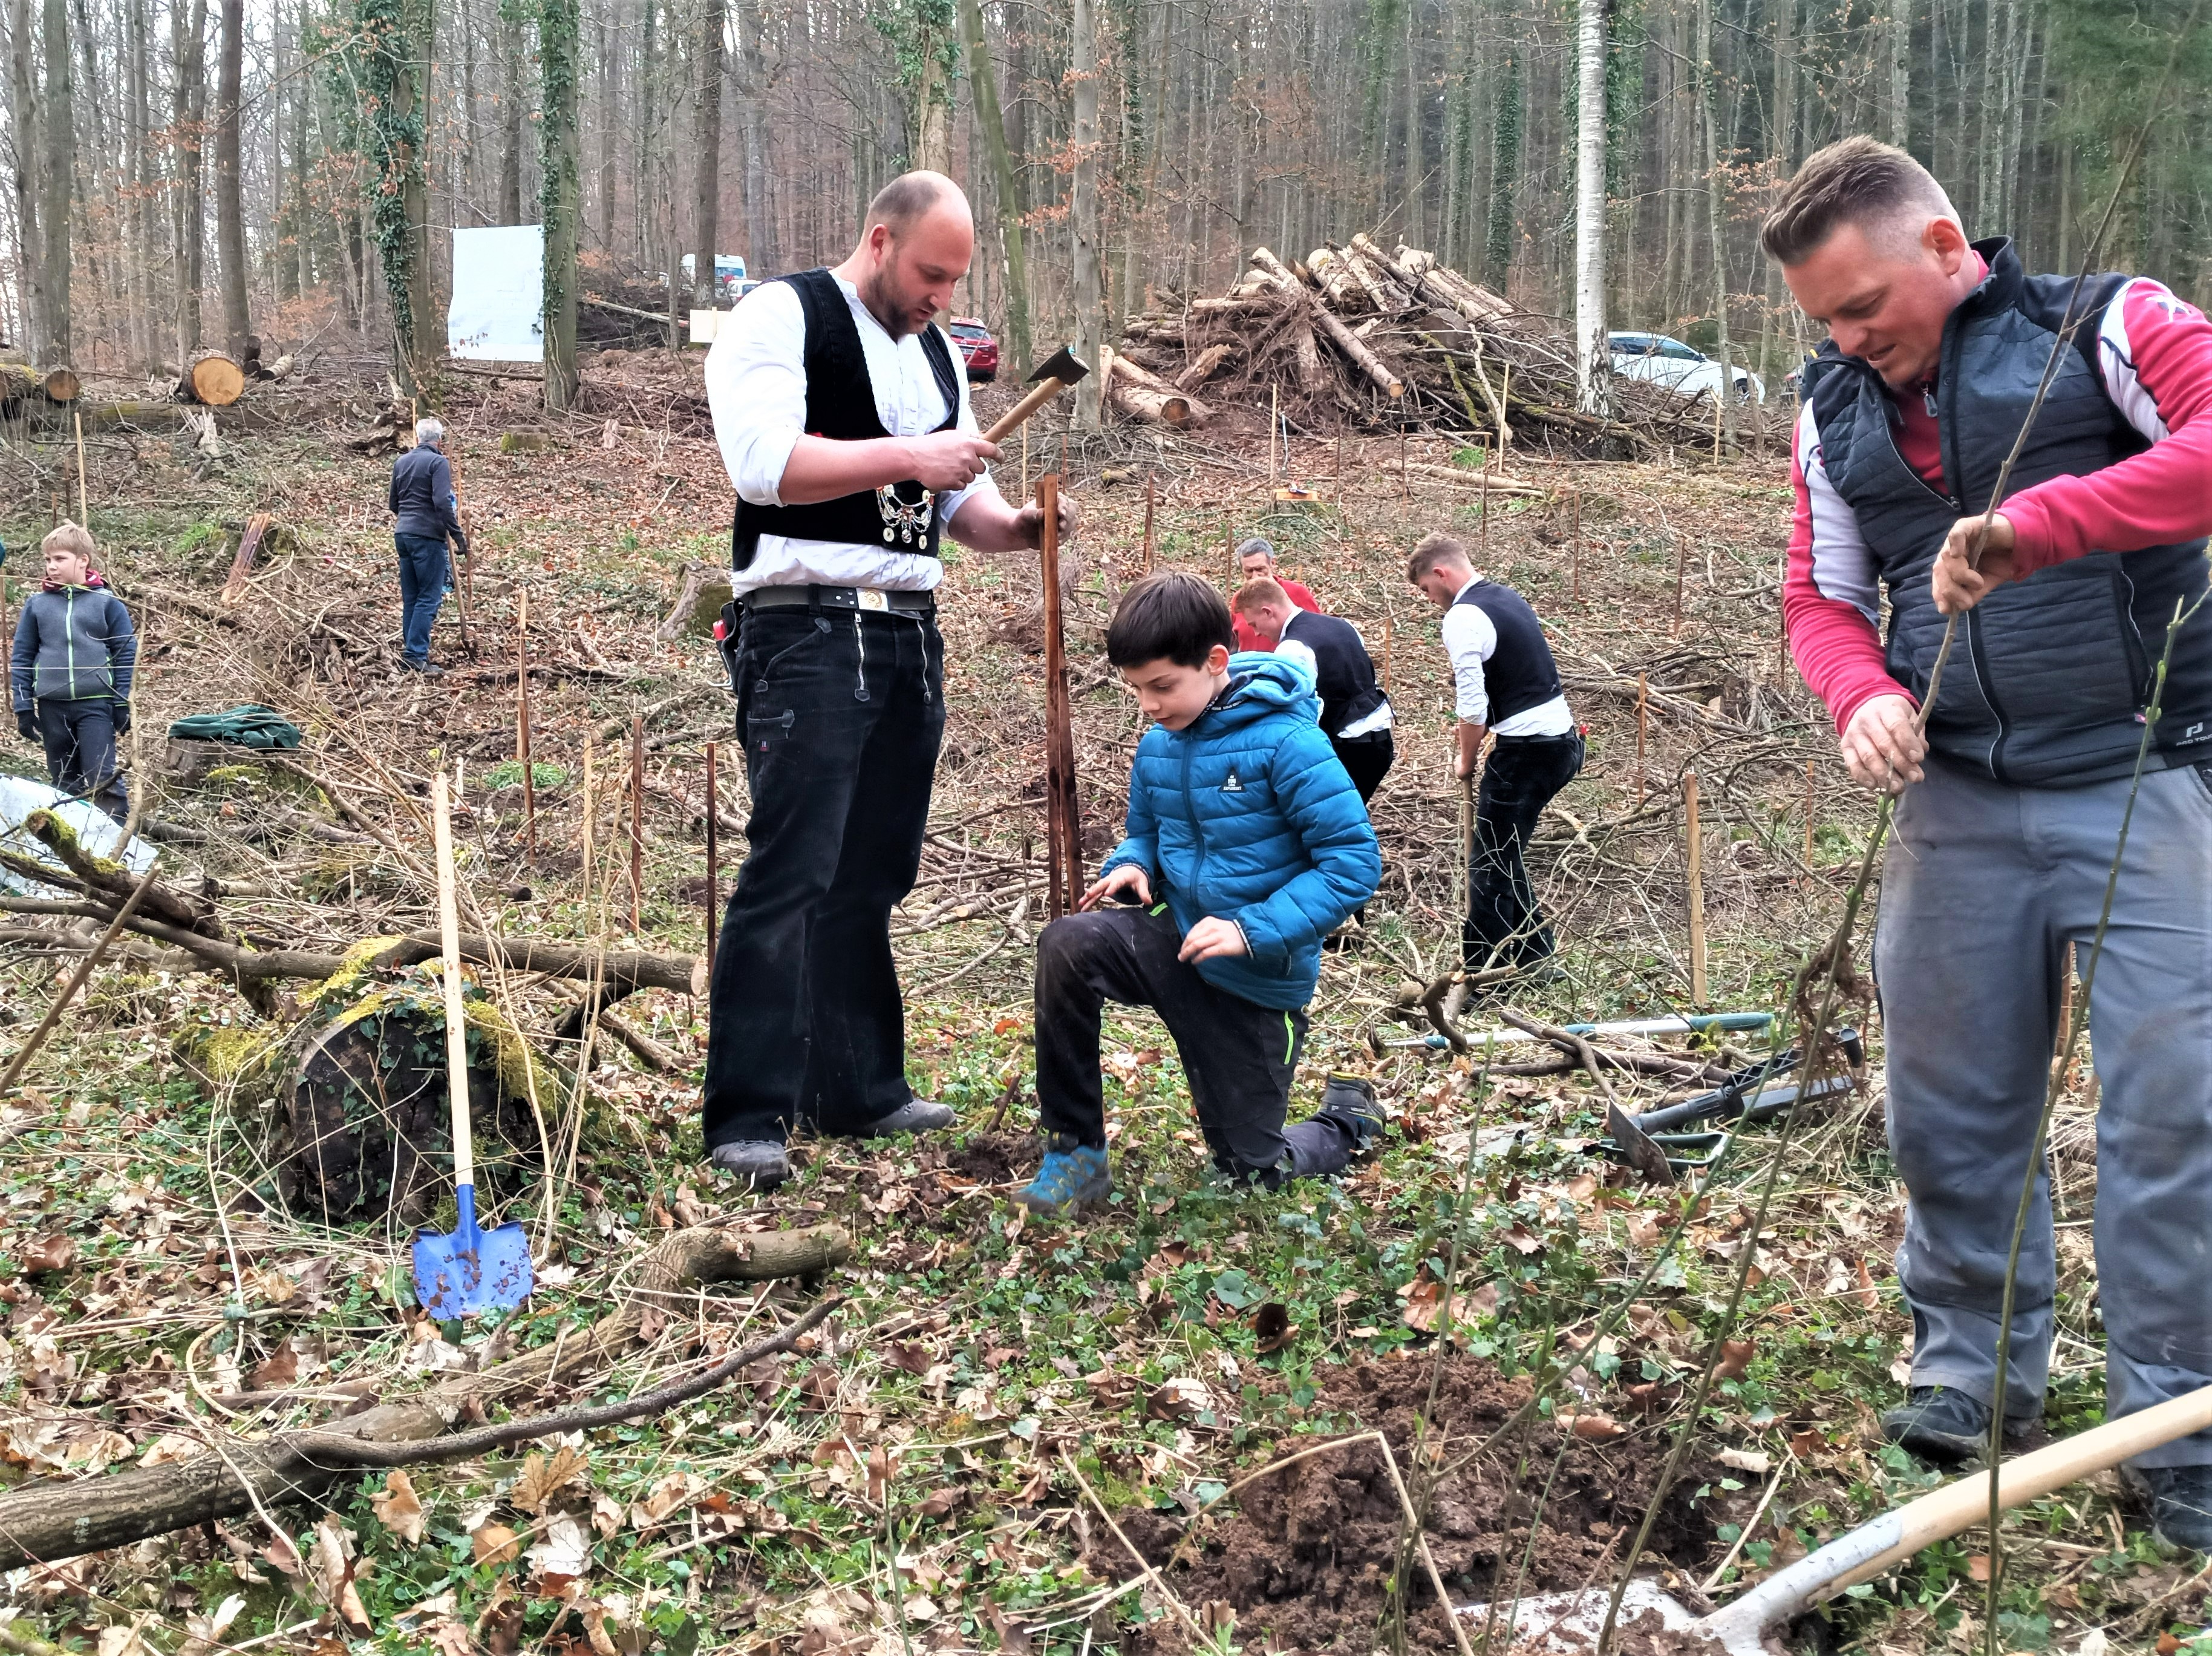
x=69, y=673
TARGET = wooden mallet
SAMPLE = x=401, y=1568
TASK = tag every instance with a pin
x=1059, y=371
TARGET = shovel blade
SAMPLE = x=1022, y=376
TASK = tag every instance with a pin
x=454, y=1279
x=1569, y=1622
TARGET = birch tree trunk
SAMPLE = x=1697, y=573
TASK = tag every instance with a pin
x=1593, y=356
x=706, y=196
x=1083, y=218
x=229, y=211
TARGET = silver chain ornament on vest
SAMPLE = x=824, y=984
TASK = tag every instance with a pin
x=906, y=524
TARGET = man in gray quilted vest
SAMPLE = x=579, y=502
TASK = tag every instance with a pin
x=2013, y=796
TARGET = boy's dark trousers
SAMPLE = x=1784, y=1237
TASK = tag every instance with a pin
x=1518, y=781
x=843, y=714
x=1240, y=1057
x=80, y=741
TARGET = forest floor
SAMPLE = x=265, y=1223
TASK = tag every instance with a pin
x=1002, y=1411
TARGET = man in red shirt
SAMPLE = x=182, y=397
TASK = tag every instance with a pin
x=1257, y=557
x=2015, y=788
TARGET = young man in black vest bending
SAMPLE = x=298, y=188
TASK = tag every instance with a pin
x=843, y=419
x=1508, y=686
x=1355, y=713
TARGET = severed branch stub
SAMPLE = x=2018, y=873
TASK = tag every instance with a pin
x=52, y=1520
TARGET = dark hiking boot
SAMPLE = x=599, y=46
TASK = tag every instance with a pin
x=764, y=1165
x=2179, y=1499
x=1350, y=1101
x=915, y=1116
x=1942, y=1425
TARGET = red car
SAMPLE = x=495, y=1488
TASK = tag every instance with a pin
x=977, y=347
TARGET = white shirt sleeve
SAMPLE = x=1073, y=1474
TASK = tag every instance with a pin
x=756, y=389
x=1470, y=640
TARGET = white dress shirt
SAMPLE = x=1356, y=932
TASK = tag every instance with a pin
x=1288, y=648
x=757, y=388
x=1470, y=640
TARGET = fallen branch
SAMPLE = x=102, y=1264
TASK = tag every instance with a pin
x=49, y=1520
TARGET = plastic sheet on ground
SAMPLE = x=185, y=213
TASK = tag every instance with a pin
x=95, y=829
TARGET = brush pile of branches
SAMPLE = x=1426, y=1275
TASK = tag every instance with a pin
x=1354, y=334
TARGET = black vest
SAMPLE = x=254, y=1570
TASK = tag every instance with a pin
x=1343, y=673
x=840, y=403
x=1520, y=674
x=2049, y=677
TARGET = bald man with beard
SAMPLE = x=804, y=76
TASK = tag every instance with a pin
x=842, y=412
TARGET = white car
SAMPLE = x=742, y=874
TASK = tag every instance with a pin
x=1678, y=366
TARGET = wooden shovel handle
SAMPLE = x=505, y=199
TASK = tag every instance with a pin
x=1046, y=391
x=449, y=940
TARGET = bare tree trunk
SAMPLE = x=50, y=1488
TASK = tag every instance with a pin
x=230, y=211
x=983, y=78
x=648, y=85
x=707, y=197
x=559, y=32
x=140, y=215
x=511, y=112
x=188, y=53
x=1900, y=73
x=610, y=118
x=1716, y=212
x=59, y=124
x=1413, y=185
x=1593, y=356
x=25, y=124
x=1082, y=220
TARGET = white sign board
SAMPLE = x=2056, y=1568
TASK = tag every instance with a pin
x=498, y=314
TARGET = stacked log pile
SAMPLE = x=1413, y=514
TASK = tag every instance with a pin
x=1354, y=334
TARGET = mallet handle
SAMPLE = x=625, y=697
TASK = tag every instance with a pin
x=1046, y=391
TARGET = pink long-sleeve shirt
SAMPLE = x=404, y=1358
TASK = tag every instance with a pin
x=2155, y=352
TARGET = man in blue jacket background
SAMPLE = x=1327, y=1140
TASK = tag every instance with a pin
x=1246, y=845
x=428, y=515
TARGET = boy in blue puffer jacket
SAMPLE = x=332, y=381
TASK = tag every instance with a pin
x=1247, y=845
x=69, y=673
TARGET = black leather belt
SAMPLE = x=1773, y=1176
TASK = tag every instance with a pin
x=863, y=599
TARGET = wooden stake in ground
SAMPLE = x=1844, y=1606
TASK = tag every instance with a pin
x=590, y=818
x=1682, y=570
x=1063, y=817
x=1697, y=892
x=1025, y=460
x=464, y=575
x=1152, y=488
x=522, y=727
x=1808, y=824
x=1385, y=653
x=1275, y=419
x=1575, y=557
x=637, y=822
x=1642, y=724
x=713, y=854
x=1483, y=509
x=83, y=495
x=1228, y=545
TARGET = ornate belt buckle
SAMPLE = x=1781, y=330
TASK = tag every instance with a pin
x=871, y=599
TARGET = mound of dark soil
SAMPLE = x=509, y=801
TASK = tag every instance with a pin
x=1306, y=1558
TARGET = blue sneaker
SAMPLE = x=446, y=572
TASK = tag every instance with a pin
x=1070, y=1179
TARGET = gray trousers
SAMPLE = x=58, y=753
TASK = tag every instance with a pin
x=1983, y=890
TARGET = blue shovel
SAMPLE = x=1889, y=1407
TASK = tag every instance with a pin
x=472, y=1271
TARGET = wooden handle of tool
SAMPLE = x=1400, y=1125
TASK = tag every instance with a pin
x=1960, y=1506
x=1046, y=391
x=449, y=940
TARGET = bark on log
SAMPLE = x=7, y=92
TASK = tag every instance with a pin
x=699, y=600
x=1138, y=402
x=49, y=1520
x=1274, y=268
x=1435, y=282
x=214, y=381
x=1141, y=387
x=1360, y=355
x=1340, y=291
x=1377, y=300
x=1305, y=358
x=1203, y=367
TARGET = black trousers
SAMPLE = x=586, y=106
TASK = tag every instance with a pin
x=1240, y=1057
x=80, y=743
x=1504, y=926
x=1367, y=759
x=842, y=713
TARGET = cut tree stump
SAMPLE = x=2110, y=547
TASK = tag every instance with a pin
x=699, y=600
x=49, y=1519
x=214, y=381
